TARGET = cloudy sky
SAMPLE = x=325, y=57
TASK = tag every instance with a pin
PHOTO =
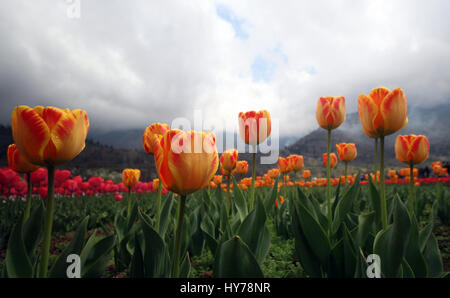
x=131, y=63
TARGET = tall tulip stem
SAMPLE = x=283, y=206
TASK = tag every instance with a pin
x=375, y=159
x=129, y=202
x=228, y=195
x=30, y=191
x=176, y=257
x=345, y=172
x=330, y=218
x=411, y=190
x=158, y=206
x=382, y=186
x=252, y=190
x=48, y=223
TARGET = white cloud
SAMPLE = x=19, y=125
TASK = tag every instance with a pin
x=131, y=63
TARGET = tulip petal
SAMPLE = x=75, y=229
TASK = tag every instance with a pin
x=30, y=132
x=378, y=94
x=68, y=137
x=394, y=109
x=368, y=111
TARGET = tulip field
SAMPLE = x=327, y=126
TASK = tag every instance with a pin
x=199, y=220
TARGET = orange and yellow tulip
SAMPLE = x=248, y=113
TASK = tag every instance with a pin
x=306, y=174
x=273, y=173
x=333, y=160
x=254, y=127
x=346, y=151
x=155, y=130
x=49, y=136
x=155, y=185
x=228, y=160
x=217, y=179
x=17, y=162
x=296, y=162
x=242, y=167
x=383, y=112
x=284, y=165
x=181, y=169
x=130, y=177
x=412, y=149
x=330, y=112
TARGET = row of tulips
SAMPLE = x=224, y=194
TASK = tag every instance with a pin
x=12, y=184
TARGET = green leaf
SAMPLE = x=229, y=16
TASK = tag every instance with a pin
x=155, y=253
x=365, y=224
x=424, y=234
x=313, y=231
x=75, y=246
x=376, y=203
x=269, y=202
x=185, y=267
x=433, y=258
x=165, y=215
x=390, y=244
x=336, y=198
x=208, y=229
x=252, y=231
x=413, y=254
x=345, y=204
x=17, y=261
x=304, y=252
x=235, y=260
x=137, y=261
x=239, y=200
x=33, y=229
x=318, y=212
x=96, y=256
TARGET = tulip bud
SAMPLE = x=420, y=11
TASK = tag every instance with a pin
x=333, y=160
x=254, y=127
x=330, y=112
x=130, y=177
x=382, y=112
x=306, y=174
x=185, y=168
x=412, y=149
x=296, y=162
x=242, y=167
x=49, y=136
x=346, y=151
x=228, y=160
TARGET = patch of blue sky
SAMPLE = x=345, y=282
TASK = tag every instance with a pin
x=262, y=69
x=228, y=15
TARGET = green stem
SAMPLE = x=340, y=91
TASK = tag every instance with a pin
x=129, y=202
x=382, y=187
x=252, y=190
x=30, y=192
x=158, y=206
x=411, y=190
x=43, y=266
x=330, y=218
x=176, y=257
x=345, y=173
x=227, y=202
x=375, y=160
